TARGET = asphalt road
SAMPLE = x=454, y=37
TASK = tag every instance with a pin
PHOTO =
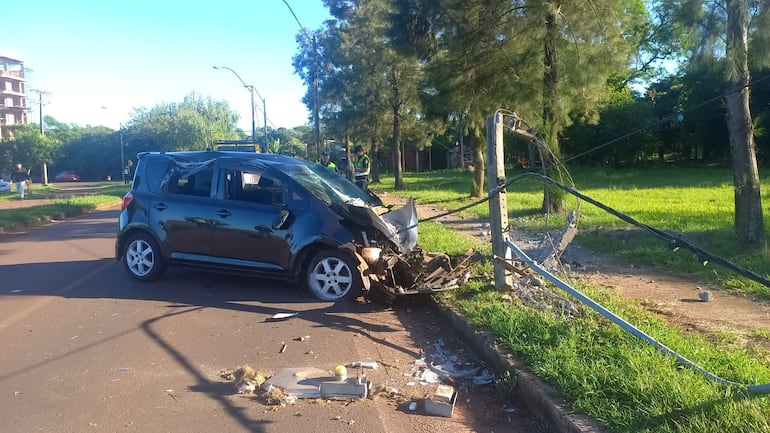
x=84, y=348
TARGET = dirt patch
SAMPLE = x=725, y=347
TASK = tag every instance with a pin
x=676, y=298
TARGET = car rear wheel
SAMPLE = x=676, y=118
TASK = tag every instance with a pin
x=332, y=276
x=142, y=258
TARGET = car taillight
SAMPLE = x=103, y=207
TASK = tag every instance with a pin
x=127, y=199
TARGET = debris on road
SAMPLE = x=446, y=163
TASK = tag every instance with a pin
x=245, y=379
x=309, y=382
x=289, y=384
x=442, y=403
x=284, y=316
x=418, y=272
x=365, y=364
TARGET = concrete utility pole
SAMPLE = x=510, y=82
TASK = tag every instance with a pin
x=316, y=117
x=43, y=163
x=498, y=203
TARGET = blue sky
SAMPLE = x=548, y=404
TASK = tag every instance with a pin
x=102, y=59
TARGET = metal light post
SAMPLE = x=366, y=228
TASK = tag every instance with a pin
x=252, y=90
x=122, y=155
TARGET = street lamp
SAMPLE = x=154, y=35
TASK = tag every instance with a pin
x=252, y=90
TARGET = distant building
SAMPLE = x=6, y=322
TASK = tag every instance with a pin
x=13, y=94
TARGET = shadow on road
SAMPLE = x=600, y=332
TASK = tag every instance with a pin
x=182, y=291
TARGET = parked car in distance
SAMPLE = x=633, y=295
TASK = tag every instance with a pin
x=67, y=176
x=269, y=215
x=5, y=186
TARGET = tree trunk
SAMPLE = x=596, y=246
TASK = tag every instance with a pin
x=477, y=146
x=552, y=198
x=749, y=221
x=398, y=164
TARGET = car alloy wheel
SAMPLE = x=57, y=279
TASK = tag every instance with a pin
x=331, y=276
x=142, y=258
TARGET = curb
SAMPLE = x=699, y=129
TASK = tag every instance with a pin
x=540, y=398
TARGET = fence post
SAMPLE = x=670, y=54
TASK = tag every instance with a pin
x=498, y=204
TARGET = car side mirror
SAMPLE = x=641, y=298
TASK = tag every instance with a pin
x=280, y=221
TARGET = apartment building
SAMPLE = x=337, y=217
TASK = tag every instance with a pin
x=13, y=94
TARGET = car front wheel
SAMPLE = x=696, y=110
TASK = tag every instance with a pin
x=142, y=258
x=331, y=276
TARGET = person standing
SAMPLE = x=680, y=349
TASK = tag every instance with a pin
x=361, y=166
x=20, y=178
x=126, y=174
x=326, y=161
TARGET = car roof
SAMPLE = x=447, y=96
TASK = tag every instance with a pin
x=207, y=155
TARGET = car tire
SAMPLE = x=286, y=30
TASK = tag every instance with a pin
x=142, y=258
x=332, y=276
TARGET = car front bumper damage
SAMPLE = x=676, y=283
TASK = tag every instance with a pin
x=404, y=268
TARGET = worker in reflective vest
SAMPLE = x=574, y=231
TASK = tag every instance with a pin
x=361, y=165
x=326, y=161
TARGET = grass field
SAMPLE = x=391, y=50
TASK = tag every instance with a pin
x=696, y=203
x=600, y=369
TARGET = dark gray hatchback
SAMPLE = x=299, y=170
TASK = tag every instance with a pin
x=269, y=215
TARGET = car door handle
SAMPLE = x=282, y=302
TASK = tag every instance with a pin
x=161, y=206
x=224, y=213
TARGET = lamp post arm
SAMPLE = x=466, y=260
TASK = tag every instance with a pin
x=234, y=73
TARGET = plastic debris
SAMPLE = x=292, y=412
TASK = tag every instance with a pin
x=284, y=316
x=365, y=364
x=485, y=377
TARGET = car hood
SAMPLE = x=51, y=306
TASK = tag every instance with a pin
x=399, y=225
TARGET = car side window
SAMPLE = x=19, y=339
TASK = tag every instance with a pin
x=198, y=184
x=153, y=175
x=253, y=187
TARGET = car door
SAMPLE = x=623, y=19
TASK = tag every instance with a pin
x=183, y=213
x=252, y=227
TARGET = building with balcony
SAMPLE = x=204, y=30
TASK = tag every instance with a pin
x=13, y=94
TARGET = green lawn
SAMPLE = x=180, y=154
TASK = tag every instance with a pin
x=63, y=205
x=600, y=369
x=694, y=202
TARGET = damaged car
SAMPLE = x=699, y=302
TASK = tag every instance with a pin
x=269, y=215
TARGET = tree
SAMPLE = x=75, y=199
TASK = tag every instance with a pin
x=365, y=84
x=722, y=31
x=30, y=147
x=549, y=61
x=192, y=124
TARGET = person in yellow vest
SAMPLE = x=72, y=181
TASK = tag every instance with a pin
x=361, y=165
x=326, y=161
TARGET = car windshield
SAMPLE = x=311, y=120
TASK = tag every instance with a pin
x=328, y=185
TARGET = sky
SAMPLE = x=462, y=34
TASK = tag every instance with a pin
x=101, y=60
